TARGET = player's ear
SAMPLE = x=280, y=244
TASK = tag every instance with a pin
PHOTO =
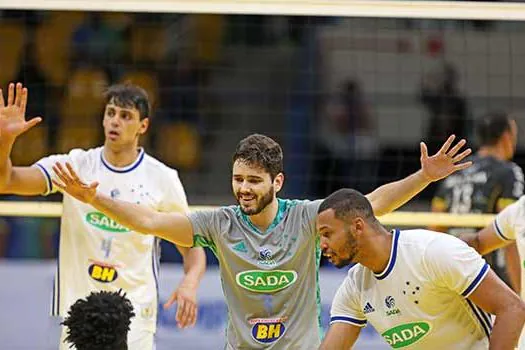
x=144, y=125
x=278, y=182
x=359, y=226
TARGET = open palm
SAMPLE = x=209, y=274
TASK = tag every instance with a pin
x=71, y=183
x=12, y=114
x=446, y=161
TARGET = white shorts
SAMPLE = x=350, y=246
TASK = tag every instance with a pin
x=140, y=340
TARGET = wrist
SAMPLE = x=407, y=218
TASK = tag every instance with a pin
x=423, y=177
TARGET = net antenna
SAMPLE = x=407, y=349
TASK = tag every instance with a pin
x=342, y=8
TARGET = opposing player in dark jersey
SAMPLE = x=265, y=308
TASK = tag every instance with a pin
x=488, y=186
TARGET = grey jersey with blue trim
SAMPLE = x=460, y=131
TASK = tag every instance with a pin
x=269, y=279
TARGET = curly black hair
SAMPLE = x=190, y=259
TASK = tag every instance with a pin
x=99, y=322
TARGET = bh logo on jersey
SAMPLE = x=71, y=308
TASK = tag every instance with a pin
x=406, y=334
x=102, y=222
x=102, y=273
x=267, y=330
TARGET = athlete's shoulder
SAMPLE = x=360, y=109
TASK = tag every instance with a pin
x=81, y=156
x=417, y=239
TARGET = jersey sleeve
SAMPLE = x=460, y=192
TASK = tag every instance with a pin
x=512, y=185
x=175, y=200
x=452, y=264
x=345, y=306
x=506, y=221
x=310, y=215
x=206, y=227
x=45, y=165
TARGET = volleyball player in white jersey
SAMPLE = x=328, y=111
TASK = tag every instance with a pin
x=419, y=289
x=507, y=228
x=95, y=252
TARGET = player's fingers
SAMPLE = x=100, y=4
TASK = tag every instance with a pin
x=23, y=103
x=18, y=95
x=170, y=301
x=180, y=310
x=462, y=166
x=186, y=316
x=10, y=94
x=30, y=123
x=2, y=102
x=58, y=184
x=72, y=172
x=193, y=316
x=93, y=185
x=447, y=144
x=424, y=150
x=454, y=150
x=62, y=175
x=462, y=155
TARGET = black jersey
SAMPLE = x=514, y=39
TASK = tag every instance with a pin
x=480, y=188
x=484, y=187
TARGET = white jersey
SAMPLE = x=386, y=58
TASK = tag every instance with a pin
x=510, y=226
x=95, y=252
x=420, y=300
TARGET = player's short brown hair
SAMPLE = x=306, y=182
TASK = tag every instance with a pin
x=261, y=151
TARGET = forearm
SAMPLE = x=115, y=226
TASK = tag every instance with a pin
x=194, y=266
x=133, y=216
x=507, y=328
x=391, y=196
x=5, y=163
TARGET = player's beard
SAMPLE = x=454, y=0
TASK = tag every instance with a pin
x=350, y=246
x=261, y=203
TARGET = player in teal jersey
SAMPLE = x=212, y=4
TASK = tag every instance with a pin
x=268, y=248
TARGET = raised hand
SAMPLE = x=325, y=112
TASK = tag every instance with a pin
x=446, y=161
x=71, y=183
x=12, y=115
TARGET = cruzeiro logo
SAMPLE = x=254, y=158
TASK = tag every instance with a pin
x=265, y=254
x=265, y=257
x=406, y=334
x=266, y=281
x=102, y=222
x=390, y=303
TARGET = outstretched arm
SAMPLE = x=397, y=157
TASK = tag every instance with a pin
x=446, y=161
x=173, y=227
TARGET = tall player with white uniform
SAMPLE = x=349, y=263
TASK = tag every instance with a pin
x=95, y=252
x=419, y=289
x=267, y=247
x=507, y=228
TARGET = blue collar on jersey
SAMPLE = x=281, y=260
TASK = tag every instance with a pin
x=282, y=206
x=125, y=169
x=393, y=256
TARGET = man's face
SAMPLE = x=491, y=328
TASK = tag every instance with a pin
x=122, y=125
x=338, y=243
x=252, y=187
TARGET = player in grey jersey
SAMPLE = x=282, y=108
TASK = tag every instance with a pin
x=268, y=248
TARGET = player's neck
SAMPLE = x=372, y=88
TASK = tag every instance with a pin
x=376, y=251
x=495, y=152
x=264, y=219
x=120, y=157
